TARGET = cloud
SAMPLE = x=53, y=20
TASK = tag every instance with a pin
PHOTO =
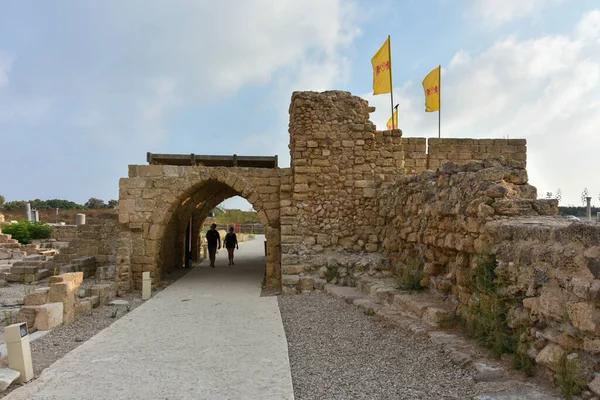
x=497, y=12
x=140, y=62
x=543, y=89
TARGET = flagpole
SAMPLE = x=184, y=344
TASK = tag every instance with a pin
x=440, y=110
x=391, y=85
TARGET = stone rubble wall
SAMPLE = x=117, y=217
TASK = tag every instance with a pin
x=552, y=267
x=548, y=269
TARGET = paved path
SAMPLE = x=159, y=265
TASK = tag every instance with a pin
x=207, y=336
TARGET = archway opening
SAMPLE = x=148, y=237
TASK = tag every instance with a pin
x=184, y=245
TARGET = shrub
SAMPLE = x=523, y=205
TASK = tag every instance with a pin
x=39, y=230
x=410, y=276
x=25, y=231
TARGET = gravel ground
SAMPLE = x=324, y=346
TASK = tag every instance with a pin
x=337, y=352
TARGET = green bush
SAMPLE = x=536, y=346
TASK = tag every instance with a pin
x=25, y=231
x=40, y=231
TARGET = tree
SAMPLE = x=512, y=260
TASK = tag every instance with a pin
x=2, y=201
x=558, y=195
x=94, y=203
x=113, y=203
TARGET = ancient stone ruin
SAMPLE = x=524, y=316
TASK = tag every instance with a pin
x=357, y=202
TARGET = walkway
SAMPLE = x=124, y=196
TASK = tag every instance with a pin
x=207, y=336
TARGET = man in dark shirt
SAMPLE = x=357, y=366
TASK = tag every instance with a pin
x=213, y=241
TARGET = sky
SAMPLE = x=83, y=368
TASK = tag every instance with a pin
x=87, y=88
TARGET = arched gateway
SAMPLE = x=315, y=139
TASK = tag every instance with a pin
x=158, y=201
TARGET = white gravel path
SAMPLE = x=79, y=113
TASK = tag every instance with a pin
x=337, y=352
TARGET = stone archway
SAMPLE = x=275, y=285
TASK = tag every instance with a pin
x=157, y=200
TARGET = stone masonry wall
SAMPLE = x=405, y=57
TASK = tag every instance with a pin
x=552, y=268
x=547, y=271
x=64, y=233
x=421, y=154
x=462, y=151
x=338, y=162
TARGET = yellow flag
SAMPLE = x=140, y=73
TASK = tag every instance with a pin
x=382, y=70
x=432, y=87
x=393, y=124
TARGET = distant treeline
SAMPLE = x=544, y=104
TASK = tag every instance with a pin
x=577, y=211
x=37, y=204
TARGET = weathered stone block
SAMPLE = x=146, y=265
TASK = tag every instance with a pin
x=49, y=316
x=28, y=314
x=290, y=280
x=37, y=297
x=82, y=307
x=550, y=356
x=105, y=292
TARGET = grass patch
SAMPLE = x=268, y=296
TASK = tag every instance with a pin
x=332, y=273
x=411, y=276
x=570, y=377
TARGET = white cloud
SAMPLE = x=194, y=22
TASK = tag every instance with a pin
x=5, y=65
x=496, y=12
x=201, y=51
x=546, y=90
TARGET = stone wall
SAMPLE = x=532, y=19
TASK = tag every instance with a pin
x=450, y=222
x=64, y=233
x=462, y=151
x=415, y=154
x=338, y=162
x=421, y=154
x=552, y=268
x=99, y=238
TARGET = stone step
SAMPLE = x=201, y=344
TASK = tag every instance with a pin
x=10, y=245
x=30, y=263
x=20, y=268
x=37, y=257
x=29, y=278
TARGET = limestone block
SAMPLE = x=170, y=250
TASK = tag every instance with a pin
x=550, y=356
x=290, y=280
x=435, y=315
x=306, y=283
x=28, y=314
x=82, y=307
x=72, y=278
x=583, y=316
x=64, y=293
x=49, y=316
x=105, y=292
x=37, y=297
x=292, y=269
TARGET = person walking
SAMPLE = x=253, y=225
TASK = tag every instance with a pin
x=213, y=242
x=231, y=243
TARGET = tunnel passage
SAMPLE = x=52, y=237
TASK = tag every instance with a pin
x=157, y=202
